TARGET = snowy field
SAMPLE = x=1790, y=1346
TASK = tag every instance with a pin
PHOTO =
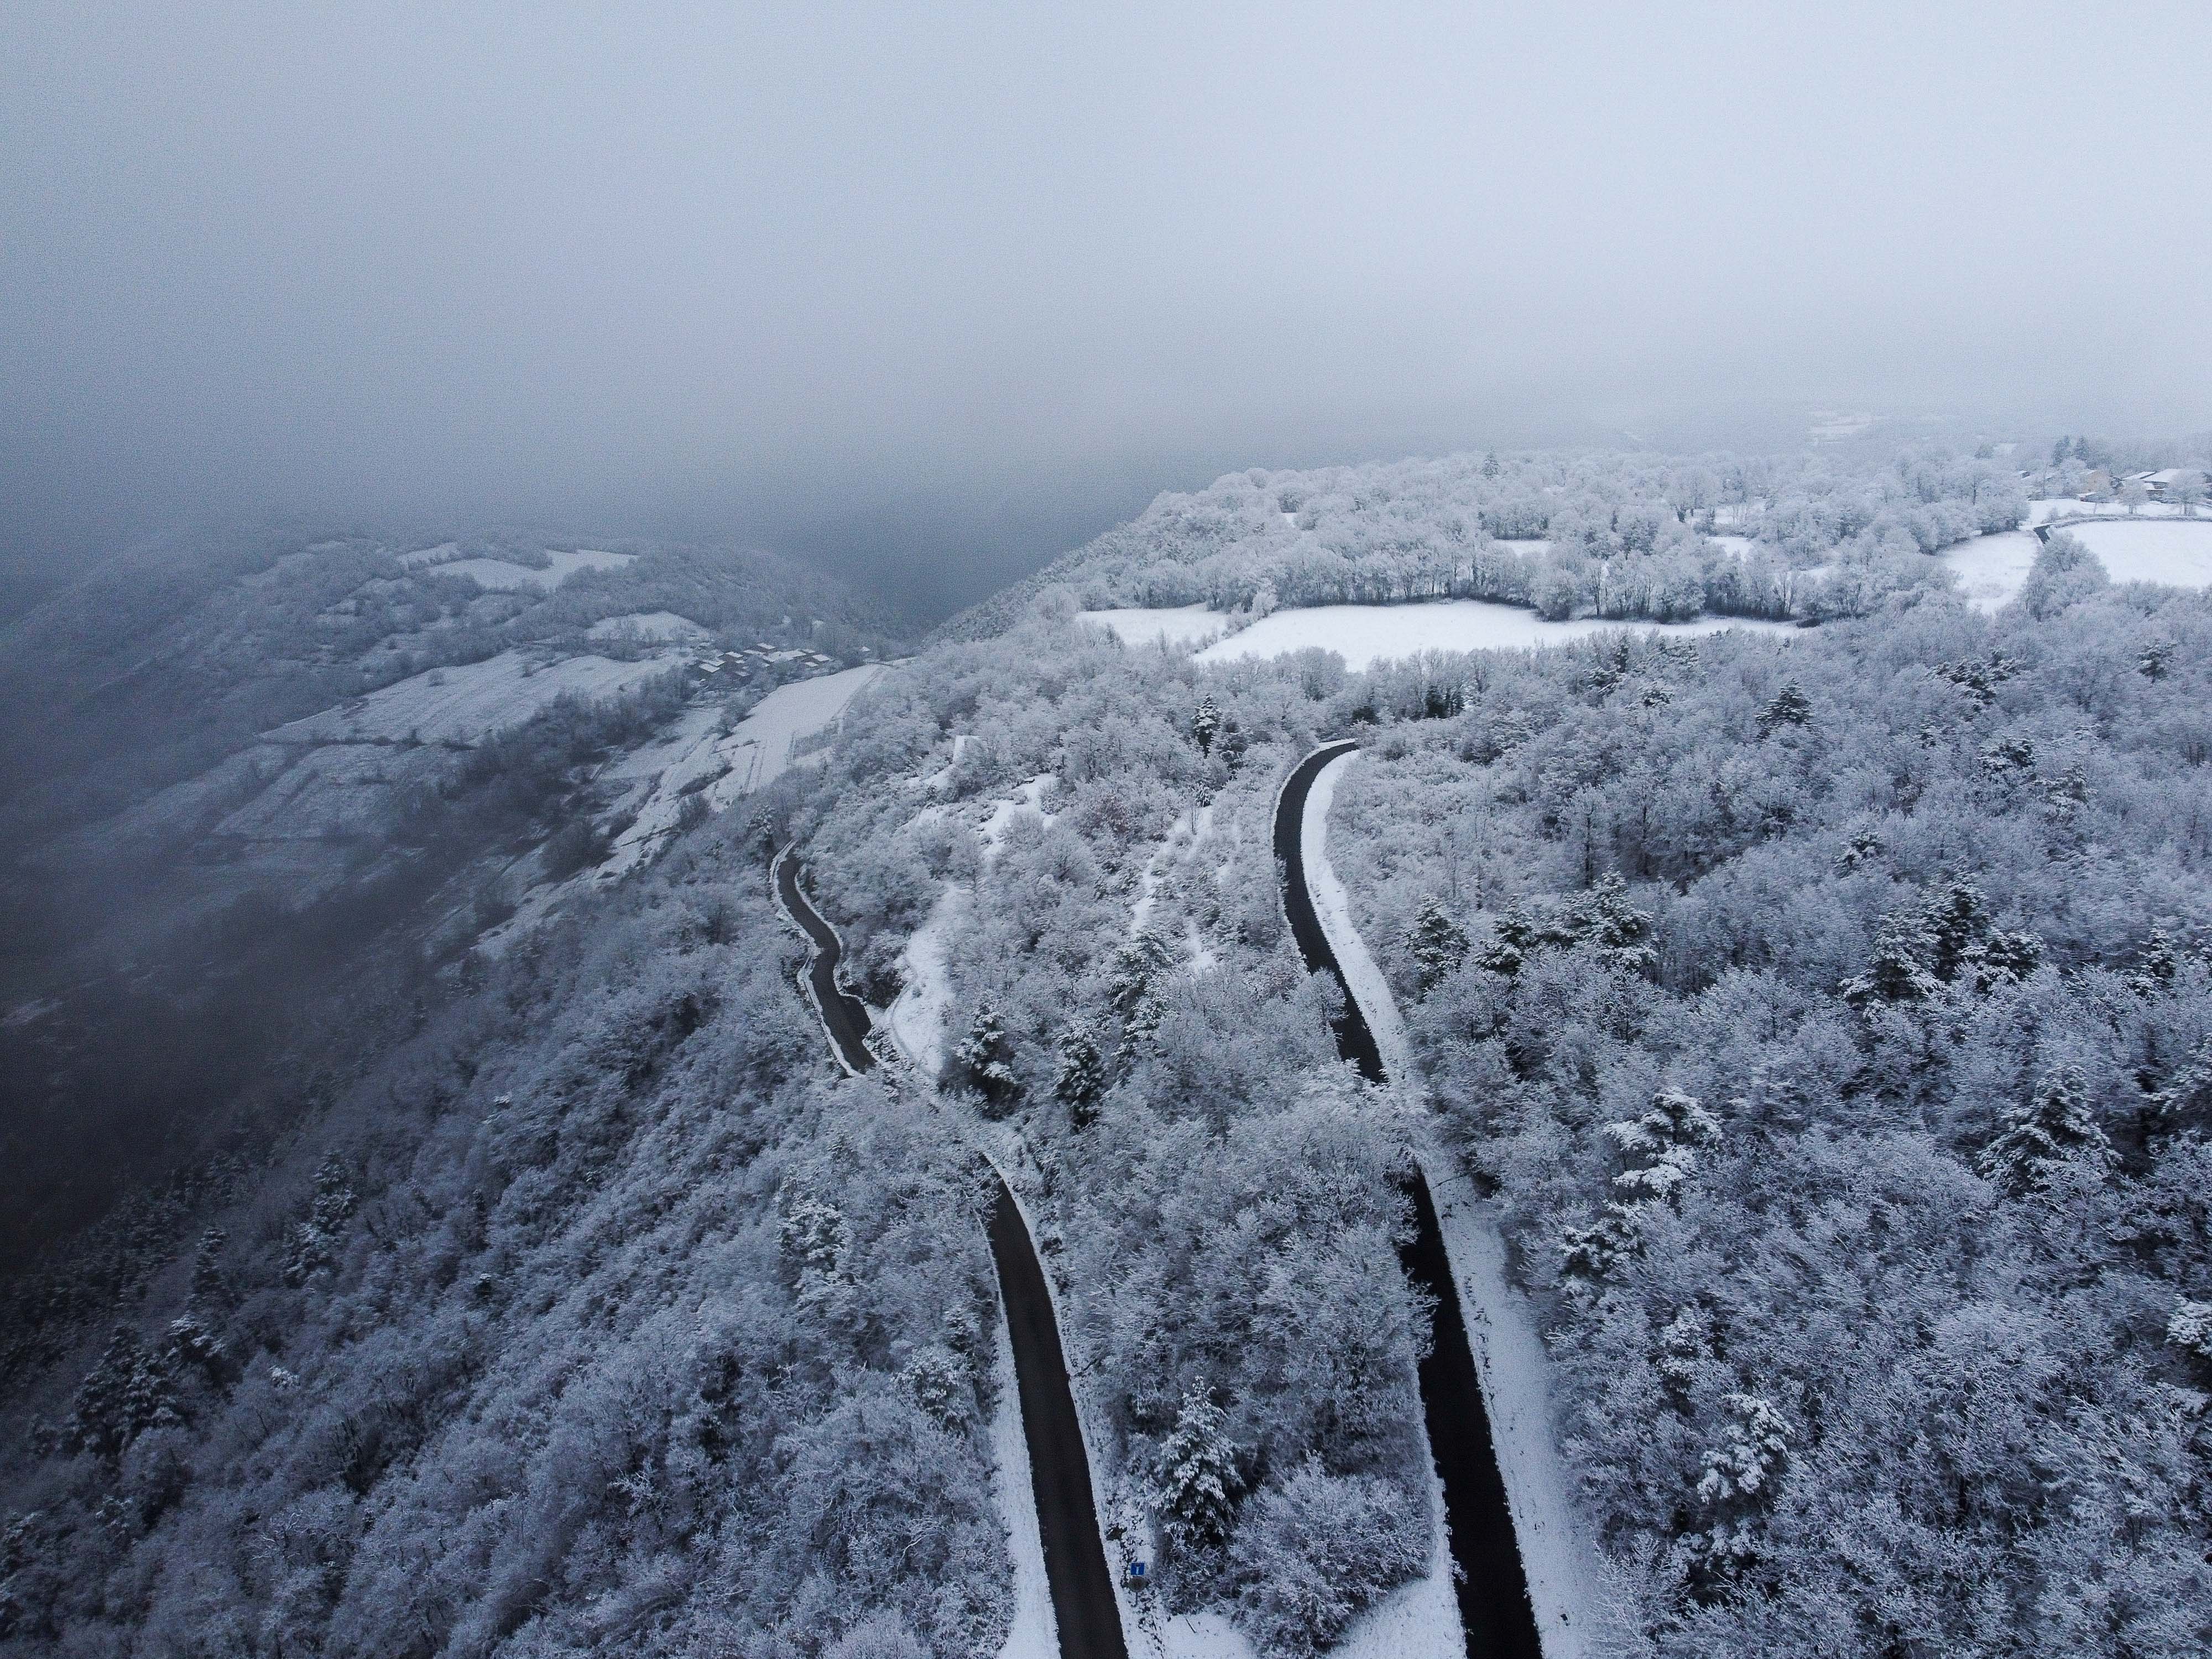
x=666, y=772
x=329, y=792
x=647, y=625
x=1186, y=624
x=2171, y=551
x=2175, y=551
x=1364, y=634
x=1991, y=567
x=1738, y=546
x=759, y=750
x=469, y=701
x=509, y=577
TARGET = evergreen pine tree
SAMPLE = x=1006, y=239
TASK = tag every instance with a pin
x=1438, y=943
x=2055, y=1128
x=1081, y=1080
x=1205, y=723
x=984, y=1056
x=208, y=1285
x=1604, y=917
x=1790, y=707
x=1197, y=1476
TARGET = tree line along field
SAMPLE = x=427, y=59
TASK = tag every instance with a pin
x=1825, y=1013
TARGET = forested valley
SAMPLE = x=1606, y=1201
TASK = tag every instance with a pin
x=1828, y=1014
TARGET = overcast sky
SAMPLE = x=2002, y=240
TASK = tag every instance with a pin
x=930, y=292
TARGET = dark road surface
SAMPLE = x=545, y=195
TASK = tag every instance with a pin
x=1082, y=1602
x=1494, y=1609
x=1074, y=1560
x=845, y=1015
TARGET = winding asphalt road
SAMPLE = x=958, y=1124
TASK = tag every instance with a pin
x=844, y=1016
x=1494, y=1610
x=1082, y=1602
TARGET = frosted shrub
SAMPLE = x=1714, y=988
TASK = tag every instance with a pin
x=1317, y=1549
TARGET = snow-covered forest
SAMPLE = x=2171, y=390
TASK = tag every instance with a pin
x=1827, y=1015
x=1568, y=534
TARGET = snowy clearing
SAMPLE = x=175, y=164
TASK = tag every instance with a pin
x=468, y=701
x=2175, y=551
x=759, y=750
x=917, y=1014
x=1364, y=634
x=1737, y=546
x=509, y=577
x=646, y=625
x=1529, y=547
x=686, y=756
x=330, y=792
x=1034, y=1634
x=1991, y=567
x=1187, y=624
x=993, y=828
x=2171, y=551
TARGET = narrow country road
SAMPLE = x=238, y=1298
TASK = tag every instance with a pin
x=1083, y=1604
x=1495, y=1613
x=844, y=1016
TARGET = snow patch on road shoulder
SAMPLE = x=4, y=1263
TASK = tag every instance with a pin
x=1333, y=905
x=1566, y=1585
x=1034, y=1634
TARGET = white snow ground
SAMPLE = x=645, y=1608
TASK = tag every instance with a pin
x=916, y=1016
x=507, y=576
x=1034, y=1633
x=1565, y=1582
x=2175, y=551
x=1367, y=634
x=646, y=625
x=1187, y=624
x=1991, y=567
x=468, y=701
x=759, y=750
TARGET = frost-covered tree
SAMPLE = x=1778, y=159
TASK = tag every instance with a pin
x=1196, y=1476
x=1438, y=944
x=1661, y=1146
x=985, y=1057
x=1788, y=706
x=128, y=1392
x=314, y=1240
x=1738, y=1482
x=1317, y=1549
x=1080, y=1082
x=2190, y=1327
x=209, y=1287
x=1205, y=723
x=2055, y=1128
